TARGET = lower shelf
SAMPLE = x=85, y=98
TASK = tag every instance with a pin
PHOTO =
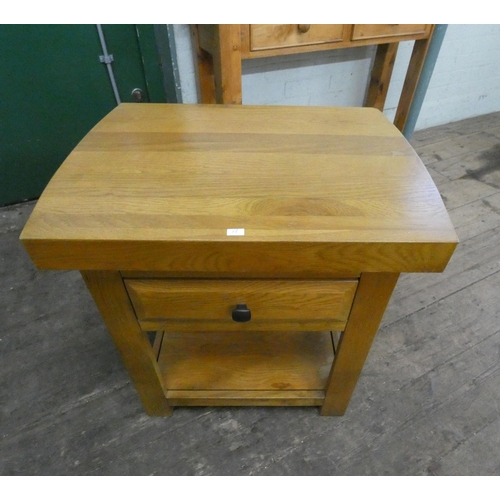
x=245, y=368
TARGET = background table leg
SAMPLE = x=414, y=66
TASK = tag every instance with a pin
x=205, y=69
x=227, y=64
x=417, y=60
x=381, y=75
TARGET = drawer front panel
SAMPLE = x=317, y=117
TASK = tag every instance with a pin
x=207, y=305
x=367, y=31
x=275, y=36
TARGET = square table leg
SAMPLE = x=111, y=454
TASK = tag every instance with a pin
x=112, y=300
x=372, y=296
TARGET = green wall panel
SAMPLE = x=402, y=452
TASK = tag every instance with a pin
x=54, y=90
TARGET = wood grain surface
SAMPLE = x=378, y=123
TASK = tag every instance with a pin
x=250, y=361
x=334, y=189
x=366, y=31
x=206, y=305
x=273, y=36
x=246, y=398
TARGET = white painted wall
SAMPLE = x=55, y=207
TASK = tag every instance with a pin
x=465, y=82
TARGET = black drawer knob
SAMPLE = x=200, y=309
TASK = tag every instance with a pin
x=241, y=313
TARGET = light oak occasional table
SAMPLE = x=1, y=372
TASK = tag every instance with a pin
x=246, y=238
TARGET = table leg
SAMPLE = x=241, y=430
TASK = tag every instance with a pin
x=227, y=64
x=372, y=296
x=112, y=300
x=411, y=81
x=381, y=75
x=205, y=69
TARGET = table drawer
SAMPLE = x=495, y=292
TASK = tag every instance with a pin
x=367, y=31
x=212, y=305
x=276, y=36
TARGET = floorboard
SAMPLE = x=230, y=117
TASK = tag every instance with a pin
x=427, y=403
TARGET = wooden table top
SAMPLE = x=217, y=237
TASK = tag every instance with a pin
x=157, y=186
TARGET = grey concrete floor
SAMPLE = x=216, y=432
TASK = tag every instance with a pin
x=428, y=401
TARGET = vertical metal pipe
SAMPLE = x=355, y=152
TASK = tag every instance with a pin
x=174, y=64
x=107, y=59
x=425, y=77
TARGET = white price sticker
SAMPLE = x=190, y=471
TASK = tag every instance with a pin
x=236, y=232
